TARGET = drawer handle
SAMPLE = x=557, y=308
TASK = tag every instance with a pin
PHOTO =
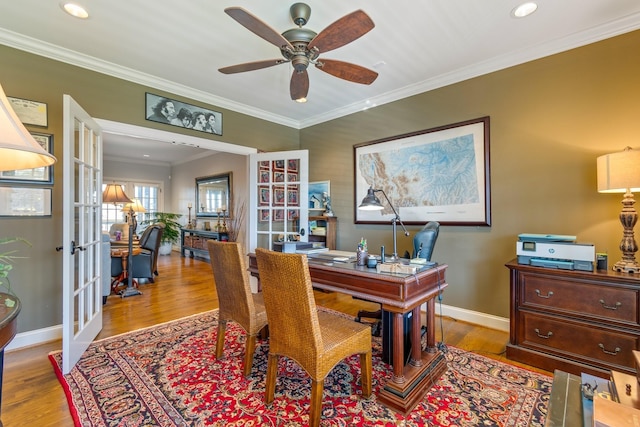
x=610, y=307
x=546, y=337
x=544, y=296
x=613, y=353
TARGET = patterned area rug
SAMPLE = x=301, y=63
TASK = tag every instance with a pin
x=167, y=375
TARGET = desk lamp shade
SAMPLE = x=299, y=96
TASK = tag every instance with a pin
x=114, y=193
x=18, y=149
x=370, y=202
x=620, y=173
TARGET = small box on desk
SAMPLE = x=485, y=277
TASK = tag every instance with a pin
x=291, y=247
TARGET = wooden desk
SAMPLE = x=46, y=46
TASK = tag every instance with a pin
x=398, y=294
x=8, y=328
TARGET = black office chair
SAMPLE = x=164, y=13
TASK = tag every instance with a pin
x=423, y=244
x=145, y=264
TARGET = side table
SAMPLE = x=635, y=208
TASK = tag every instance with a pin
x=9, y=309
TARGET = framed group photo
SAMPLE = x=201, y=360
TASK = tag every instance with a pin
x=161, y=109
x=440, y=174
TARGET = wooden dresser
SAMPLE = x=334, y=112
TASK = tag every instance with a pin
x=575, y=321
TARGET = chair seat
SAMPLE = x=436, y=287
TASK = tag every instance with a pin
x=336, y=332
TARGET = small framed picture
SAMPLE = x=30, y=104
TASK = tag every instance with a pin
x=278, y=176
x=278, y=215
x=42, y=175
x=278, y=165
x=292, y=198
x=264, y=215
x=264, y=176
x=278, y=196
x=292, y=214
x=292, y=165
x=292, y=177
x=264, y=195
x=25, y=201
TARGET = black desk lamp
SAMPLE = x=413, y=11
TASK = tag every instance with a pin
x=114, y=193
x=372, y=203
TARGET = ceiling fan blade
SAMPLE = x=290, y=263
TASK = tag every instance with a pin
x=299, y=86
x=250, y=66
x=343, y=31
x=347, y=71
x=256, y=26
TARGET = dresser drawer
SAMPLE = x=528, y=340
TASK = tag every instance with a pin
x=578, y=341
x=582, y=298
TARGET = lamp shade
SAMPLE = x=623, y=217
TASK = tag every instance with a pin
x=371, y=202
x=114, y=193
x=18, y=149
x=135, y=206
x=619, y=172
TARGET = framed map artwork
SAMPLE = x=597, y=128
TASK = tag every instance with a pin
x=440, y=174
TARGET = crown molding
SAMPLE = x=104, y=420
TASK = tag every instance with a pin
x=51, y=51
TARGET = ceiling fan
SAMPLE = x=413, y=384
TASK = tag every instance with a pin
x=302, y=46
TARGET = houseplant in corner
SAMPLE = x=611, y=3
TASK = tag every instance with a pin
x=6, y=264
x=171, y=233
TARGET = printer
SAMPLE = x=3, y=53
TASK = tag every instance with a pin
x=555, y=251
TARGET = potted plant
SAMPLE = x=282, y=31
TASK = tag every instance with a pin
x=171, y=233
x=6, y=264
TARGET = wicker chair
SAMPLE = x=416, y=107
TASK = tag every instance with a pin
x=235, y=299
x=316, y=340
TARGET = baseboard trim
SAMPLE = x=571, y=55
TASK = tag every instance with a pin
x=35, y=337
x=52, y=333
x=475, y=317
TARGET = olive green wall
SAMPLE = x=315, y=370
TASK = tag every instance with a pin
x=550, y=119
x=28, y=76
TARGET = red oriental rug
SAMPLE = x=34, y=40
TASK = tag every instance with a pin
x=167, y=375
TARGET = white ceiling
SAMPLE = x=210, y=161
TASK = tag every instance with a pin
x=416, y=45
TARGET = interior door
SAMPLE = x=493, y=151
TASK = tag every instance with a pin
x=82, y=201
x=279, y=198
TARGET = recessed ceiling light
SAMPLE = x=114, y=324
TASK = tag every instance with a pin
x=75, y=10
x=525, y=9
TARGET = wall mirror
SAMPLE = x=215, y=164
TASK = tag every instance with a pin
x=213, y=195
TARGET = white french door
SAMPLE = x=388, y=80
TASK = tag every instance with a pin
x=279, y=199
x=81, y=232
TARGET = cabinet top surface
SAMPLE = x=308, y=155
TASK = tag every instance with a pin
x=595, y=275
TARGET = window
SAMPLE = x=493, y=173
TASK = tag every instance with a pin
x=149, y=195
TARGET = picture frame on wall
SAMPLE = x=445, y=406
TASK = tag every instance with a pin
x=439, y=174
x=161, y=109
x=316, y=191
x=25, y=201
x=29, y=112
x=41, y=175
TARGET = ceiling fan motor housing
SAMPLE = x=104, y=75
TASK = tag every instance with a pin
x=300, y=13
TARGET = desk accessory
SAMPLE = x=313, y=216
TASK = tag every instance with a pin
x=372, y=203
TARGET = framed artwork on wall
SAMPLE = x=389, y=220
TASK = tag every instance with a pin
x=42, y=175
x=25, y=201
x=440, y=174
x=161, y=109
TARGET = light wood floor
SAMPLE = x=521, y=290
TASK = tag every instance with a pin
x=32, y=395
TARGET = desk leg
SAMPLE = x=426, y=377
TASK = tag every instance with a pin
x=416, y=344
x=398, y=348
x=431, y=326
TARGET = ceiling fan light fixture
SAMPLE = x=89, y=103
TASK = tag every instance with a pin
x=301, y=100
x=525, y=9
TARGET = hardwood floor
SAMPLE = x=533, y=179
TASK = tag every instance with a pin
x=32, y=395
